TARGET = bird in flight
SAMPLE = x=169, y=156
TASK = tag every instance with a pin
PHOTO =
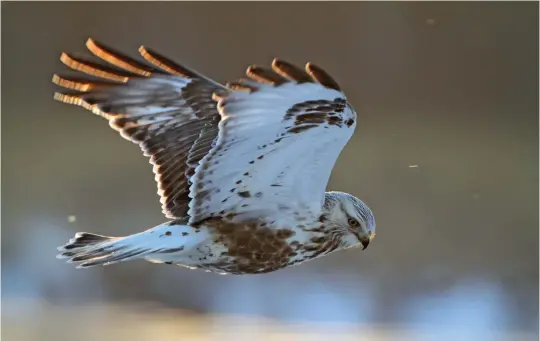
x=241, y=168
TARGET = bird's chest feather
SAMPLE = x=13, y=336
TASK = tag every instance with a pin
x=258, y=247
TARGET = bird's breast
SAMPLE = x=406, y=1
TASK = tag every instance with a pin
x=258, y=247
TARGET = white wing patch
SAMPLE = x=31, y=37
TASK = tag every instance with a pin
x=276, y=147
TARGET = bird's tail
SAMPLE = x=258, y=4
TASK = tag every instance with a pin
x=88, y=249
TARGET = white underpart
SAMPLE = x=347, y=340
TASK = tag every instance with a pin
x=194, y=245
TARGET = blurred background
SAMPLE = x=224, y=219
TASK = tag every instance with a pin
x=445, y=153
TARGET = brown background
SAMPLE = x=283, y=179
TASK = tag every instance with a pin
x=450, y=87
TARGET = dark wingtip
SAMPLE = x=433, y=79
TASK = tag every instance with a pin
x=117, y=59
x=321, y=76
x=264, y=75
x=290, y=71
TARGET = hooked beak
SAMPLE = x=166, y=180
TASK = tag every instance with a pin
x=363, y=239
x=365, y=243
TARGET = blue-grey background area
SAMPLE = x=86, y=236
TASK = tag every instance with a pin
x=449, y=87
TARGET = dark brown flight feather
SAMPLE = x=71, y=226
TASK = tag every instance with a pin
x=165, y=63
x=117, y=59
x=264, y=75
x=239, y=86
x=93, y=69
x=322, y=76
x=79, y=84
x=290, y=71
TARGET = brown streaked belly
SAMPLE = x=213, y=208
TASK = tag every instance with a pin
x=250, y=246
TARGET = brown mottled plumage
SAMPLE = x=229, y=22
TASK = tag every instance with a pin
x=241, y=169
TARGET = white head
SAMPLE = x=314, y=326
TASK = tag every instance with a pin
x=349, y=214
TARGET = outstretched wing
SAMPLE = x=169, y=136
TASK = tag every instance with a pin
x=280, y=134
x=171, y=115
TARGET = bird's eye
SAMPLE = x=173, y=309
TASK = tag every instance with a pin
x=353, y=222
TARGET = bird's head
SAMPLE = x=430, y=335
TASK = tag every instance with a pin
x=349, y=214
